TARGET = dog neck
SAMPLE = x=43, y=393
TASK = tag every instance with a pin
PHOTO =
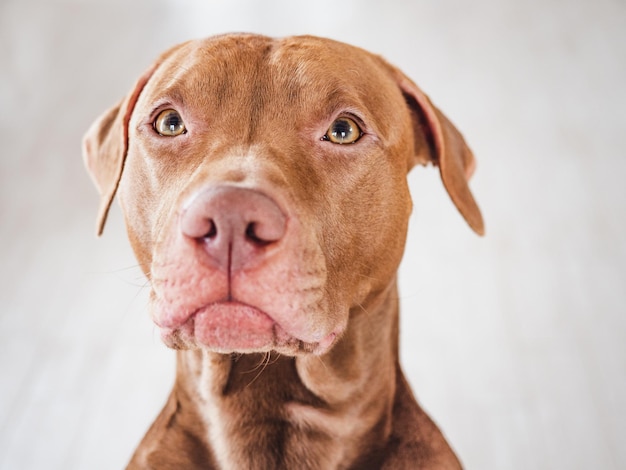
x=273, y=411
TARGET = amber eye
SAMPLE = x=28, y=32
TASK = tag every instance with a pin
x=169, y=123
x=343, y=131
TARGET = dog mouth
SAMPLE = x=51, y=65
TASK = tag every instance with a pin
x=235, y=327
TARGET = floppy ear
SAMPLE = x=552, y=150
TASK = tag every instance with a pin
x=105, y=145
x=446, y=148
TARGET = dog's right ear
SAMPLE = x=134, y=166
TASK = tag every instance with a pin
x=105, y=145
x=106, y=142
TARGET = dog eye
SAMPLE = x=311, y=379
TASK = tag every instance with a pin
x=343, y=131
x=169, y=123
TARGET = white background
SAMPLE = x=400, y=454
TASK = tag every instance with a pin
x=515, y=343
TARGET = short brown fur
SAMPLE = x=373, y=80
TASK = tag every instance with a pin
x=256, y=110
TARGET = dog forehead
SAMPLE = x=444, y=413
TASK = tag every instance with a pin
x=202, y=66
x=293, y=67
x=325, y=59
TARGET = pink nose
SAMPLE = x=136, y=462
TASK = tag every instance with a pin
x=236, y=225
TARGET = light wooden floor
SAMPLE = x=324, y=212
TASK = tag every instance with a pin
x=516, y=343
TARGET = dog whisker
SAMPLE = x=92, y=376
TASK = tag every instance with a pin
x=263, y=363
x=123, y=269
x=370, y=277
x=368, y=316
x=319, y=358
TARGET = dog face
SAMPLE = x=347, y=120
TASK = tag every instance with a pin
x=263, y=184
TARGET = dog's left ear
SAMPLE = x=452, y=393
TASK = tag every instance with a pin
x=445, y=148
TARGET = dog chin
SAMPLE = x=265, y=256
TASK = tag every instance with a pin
x=232, y=327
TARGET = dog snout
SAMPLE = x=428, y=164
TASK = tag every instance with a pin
x=235, y=225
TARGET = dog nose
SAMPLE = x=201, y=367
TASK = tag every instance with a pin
x=235, y=225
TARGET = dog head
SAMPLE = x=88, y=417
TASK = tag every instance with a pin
x=263, y=184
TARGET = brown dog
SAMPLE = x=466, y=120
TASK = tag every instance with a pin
x=263, y=184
